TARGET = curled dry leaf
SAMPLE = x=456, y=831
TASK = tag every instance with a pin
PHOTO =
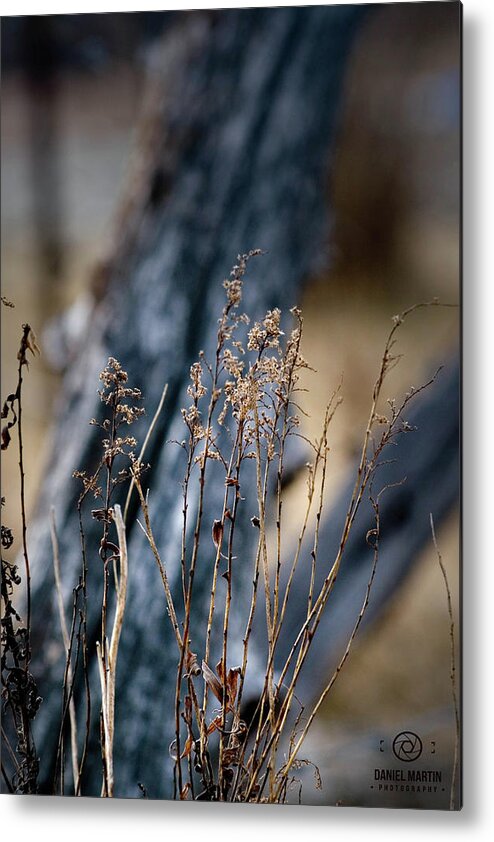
x=8, y=406
x=5, y=437
x=372, y=538
x=191, y=665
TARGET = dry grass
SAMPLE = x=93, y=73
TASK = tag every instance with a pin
x=244, y=405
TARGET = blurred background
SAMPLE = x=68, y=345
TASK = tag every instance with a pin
x=73, y=93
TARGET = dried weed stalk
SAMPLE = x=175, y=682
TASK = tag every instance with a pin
x=20, y=699
x=120, y=402
x=243, y=407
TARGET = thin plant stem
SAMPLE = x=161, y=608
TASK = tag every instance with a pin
x=66, y=642
x=85, y=656
x=148, y=532
x=452, y=668
x=144, y=446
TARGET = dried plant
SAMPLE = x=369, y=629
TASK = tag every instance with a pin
x=20, y=699
x=119, y=401
x=247, y=411
x=244, y=405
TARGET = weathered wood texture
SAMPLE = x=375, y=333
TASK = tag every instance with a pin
x=235, y=157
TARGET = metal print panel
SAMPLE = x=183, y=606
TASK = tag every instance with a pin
x=230, y=386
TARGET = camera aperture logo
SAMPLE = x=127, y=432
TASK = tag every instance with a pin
x=407, y=747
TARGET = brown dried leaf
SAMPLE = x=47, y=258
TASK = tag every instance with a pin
x=187, y=709
x=219, y=670
x=215, y=724
x=31, y=343
x=317, y=778
x=212, y=681
x=188, y=747
x=185, y=791
x=191, y=665
x=5, y=437
x=217, y=533
x=7, y=407
x=230, y=756
x=232, y=685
